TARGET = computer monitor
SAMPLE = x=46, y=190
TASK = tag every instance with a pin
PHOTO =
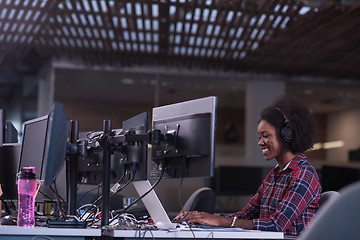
x=44, y=144
x=9, y=157
x=133, y=158
x=8, y=133
x=56, y=143
x=33, y=144
x=189, y=150
x=11, y=133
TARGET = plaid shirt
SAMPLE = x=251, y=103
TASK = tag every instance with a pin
x=286, y=201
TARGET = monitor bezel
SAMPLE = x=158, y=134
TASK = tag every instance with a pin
x=25, y=125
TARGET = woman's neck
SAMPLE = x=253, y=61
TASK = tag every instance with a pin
x=284, y=159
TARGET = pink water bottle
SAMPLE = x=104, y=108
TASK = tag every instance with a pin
x=26, y=194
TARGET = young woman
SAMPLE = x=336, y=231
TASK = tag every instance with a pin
x=288, y=197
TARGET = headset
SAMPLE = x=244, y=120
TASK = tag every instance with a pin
x=286, y=133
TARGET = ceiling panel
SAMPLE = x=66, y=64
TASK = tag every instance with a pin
x=285, y=39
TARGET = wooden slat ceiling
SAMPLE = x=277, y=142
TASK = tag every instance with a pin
x=284, y=37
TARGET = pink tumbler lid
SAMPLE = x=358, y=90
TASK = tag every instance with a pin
x=27, y=173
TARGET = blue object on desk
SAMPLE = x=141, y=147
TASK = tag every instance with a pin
x=66, y=224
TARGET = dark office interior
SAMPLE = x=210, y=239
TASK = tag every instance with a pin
x=116, y=59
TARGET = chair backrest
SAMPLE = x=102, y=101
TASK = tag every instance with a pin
x=202, y=200
x=338, y=218
x=325, y=196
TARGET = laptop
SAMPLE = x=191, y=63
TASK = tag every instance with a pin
x=160, y=217
x=154, y=206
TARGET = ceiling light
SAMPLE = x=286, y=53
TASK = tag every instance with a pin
x=317, y=146
x=333, y=144
x=308, y=91
x=127, y=81
x=328, y=145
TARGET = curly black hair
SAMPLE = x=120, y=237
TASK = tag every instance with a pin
x=300, y=121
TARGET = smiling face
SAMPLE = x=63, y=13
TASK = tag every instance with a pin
x=271, y=147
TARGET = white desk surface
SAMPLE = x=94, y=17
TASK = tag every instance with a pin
x=45, y=231
x=232, y=233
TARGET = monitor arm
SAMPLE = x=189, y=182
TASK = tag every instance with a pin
x=79, y=148
x=110, y=143
x=154, y=137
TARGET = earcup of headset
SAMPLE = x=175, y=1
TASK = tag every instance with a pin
x=287, y=134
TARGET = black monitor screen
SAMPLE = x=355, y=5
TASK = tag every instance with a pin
x=44, y=144
x=191, y=153
x=11, y=156
x=33, y=144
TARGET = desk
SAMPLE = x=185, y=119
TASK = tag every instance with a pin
x=232, y=233
x=22, y=233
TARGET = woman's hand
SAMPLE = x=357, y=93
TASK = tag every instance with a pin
x=202, y=218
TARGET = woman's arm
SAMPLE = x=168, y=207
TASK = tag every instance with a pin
x=243, y=218
x=213, y=220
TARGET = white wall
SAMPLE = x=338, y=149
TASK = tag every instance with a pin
x=259, y=94
x=343, y=126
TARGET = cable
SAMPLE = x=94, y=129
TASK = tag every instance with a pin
x=118, y=190
x=179, y=195
x=103, y=140
x=82, y=195
x=127, y=220
x=100, y=197
x=94, y=138
x=59, y=200
x=127, y=183
x=144, y=234
x=52, y=189
x=91, y=207
x=141, y=197
x=44, y=194
x=180, y=187
x=61, y=210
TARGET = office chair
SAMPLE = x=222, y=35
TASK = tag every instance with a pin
x=339, y=218
x=202, y=200
x=325, y=196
